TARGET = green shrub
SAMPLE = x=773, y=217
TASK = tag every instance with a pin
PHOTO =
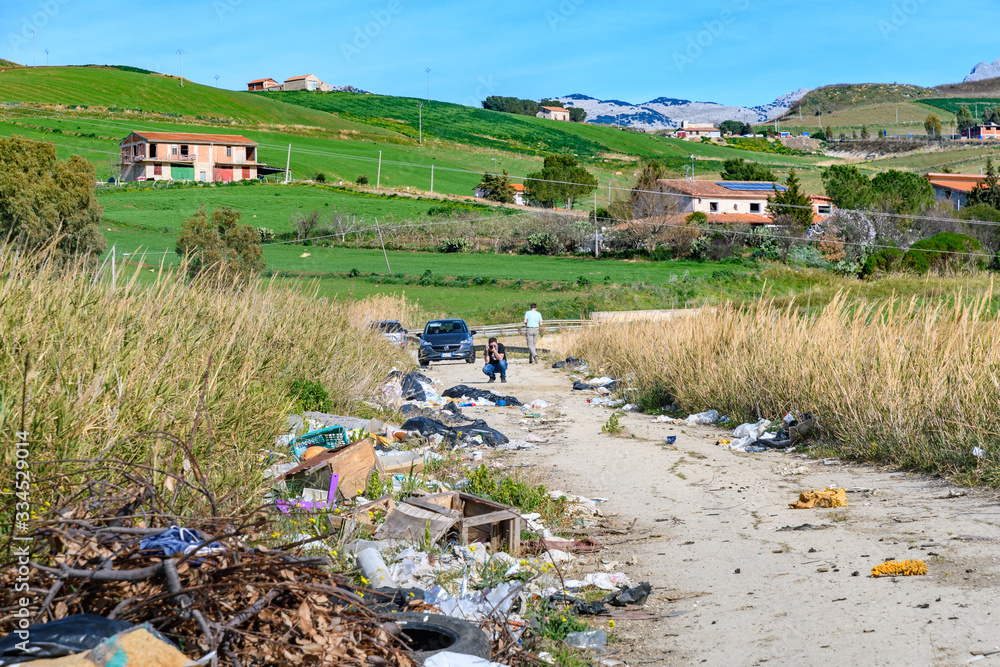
x=320, y=177
x=886, y=260
x=362, y=179
x=454, y=245
x=543, y=243
x=310, y=396
x=946, y=251
x=266, y=234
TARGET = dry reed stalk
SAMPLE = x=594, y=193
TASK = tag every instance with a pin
x=891, y=381
x=111, y=361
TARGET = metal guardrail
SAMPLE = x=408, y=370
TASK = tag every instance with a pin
x=517, y=328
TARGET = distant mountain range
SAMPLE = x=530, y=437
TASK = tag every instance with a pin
x=984, y=70
x=668, y=112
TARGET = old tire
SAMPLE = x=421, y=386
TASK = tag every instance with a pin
x=429, y=634
x=424, y=363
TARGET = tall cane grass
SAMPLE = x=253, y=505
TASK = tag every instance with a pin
x=110, y=360
x=895, y=382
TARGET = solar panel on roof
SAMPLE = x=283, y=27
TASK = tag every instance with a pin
x=752, y=186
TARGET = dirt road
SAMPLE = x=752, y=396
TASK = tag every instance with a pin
x=710, y=535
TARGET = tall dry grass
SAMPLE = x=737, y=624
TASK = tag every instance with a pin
x=917, y=387
x=110, y=361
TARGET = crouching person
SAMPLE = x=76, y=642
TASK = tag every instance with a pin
x=496, y=360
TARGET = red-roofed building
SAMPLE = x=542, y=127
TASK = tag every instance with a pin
x=518, y=189
x=553, y=113
x=954, y=188
x=179, y=156
x=264, y=84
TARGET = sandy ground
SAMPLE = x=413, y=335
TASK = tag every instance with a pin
x=709, y=535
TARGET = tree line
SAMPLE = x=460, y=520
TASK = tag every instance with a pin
x=530, y=107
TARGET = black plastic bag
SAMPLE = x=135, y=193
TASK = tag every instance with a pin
x=55, y=639
x=625, y=596
x=456, y=434
x=462, y=391
x=412, y=388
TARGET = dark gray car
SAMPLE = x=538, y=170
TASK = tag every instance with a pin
x=446, y=340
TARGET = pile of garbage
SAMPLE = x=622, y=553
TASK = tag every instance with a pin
x=571, y=363
x=755, y=437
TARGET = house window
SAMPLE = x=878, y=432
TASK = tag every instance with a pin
x=251, y=154
x=736, y=207
x=157, y=169
x=713, y=206
x=173, y=149
x=202, y=176
x=755, y=208
x=184, y=150
x=229, y=151
x=823, y=209
x=152, y=150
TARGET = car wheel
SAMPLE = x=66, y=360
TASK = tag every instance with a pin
x=428, y=634
x=469, y=360
x=424, y=363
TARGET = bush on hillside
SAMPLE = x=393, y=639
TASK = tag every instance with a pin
x=886, y=260
x=946, y=251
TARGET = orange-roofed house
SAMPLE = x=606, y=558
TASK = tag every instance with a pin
x=724, y=202
x=954, y=189
x=177, y=156
x=553, y=113
x=263, y=84
x=518, y=189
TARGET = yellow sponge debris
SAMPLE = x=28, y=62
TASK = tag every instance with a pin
x=896, y=568
x=825, y=498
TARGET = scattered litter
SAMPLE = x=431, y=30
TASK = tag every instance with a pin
x=571, y=363
x=978, y=452
x=587, y=639
x=465, y=392
x=607, y=581
x=634, y=595
x=952, y=493
x=973, y=538
x=462, y=434
x=702, y=418
x=177, y=540
x=825, y=498
x=449, y=659
x=806, y=526
x=896, y=568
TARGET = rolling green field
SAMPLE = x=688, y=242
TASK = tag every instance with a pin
x=829, y=99
x=271, y=206
x=976, y=105
x=155, y=93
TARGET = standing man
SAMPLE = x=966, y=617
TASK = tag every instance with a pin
x=496, y=360
x=532, y=320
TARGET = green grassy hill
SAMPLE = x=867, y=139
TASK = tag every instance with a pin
x=8, y=64
x=114, y=88
x=829, y=99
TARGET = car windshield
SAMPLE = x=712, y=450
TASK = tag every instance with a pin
x=388, y=327
x=447, y=327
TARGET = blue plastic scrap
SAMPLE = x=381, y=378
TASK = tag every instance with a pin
x=177, y=540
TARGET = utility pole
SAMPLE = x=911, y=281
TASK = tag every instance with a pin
x=428, y=84
x=420, y=114
x=692, y=167
x=34, y=51
x=46, y=57
x=288, y=166
x=609, y=191
x=180, y=52
x=432, y=179
x=216, y=80
x=384, y=253
x=597, y=252
x=378, y=176
x=114, y=270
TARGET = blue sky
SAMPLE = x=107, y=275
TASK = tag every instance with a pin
x=744, y=52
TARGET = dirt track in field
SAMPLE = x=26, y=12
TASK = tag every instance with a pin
x=709, y=535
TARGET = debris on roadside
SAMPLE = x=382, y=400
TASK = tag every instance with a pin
x=824, y=498
x=480, y=396
x=571, y=363
x=899, y=568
